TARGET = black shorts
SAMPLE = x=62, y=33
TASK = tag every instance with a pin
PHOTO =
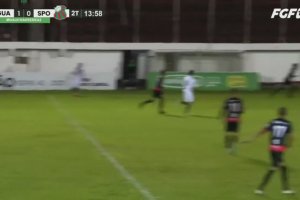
x=157, y=94
x=232, y=127
x=277, y=158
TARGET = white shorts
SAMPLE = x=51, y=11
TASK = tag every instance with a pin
x=76, y=82
x=188, y=96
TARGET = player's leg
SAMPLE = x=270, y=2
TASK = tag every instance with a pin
x=231, y=137
x=227, y=138
x=151, y=100
x=187, y=108
x=188, y=99
x=227, y=142
x=269, y=174
x=161, y=105
x=265, y=180
x=184, y=98
x=233, y=143
x=76, y=91
x=76, y=83
x=234, y=137
x=183, y=101
x=284, y=176
x=143, y=103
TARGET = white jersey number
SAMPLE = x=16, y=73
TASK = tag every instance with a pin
x=279, y=131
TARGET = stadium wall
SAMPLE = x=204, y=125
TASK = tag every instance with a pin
x=272, y=66
x=271, y=61
x=24, y=69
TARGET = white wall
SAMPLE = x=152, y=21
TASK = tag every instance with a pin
x=48, y=66
x=5, y=59
x=93, y=60
x=271, y=61
x=50, y=60
x=166, y=47
x=272, y=66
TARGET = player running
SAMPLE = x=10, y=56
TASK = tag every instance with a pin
x=189, y=84
x=77, y=77
x=288, y=81
x=232, y=110
x=280, y=140
x=158, y=93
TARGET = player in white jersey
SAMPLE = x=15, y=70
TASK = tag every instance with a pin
x=189, y=83
x=77, y=77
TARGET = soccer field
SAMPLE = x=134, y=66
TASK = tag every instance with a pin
x=54, y=146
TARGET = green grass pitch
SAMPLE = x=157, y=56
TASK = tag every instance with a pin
x=43, y=156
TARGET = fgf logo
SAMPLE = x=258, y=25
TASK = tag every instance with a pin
x=286, y=13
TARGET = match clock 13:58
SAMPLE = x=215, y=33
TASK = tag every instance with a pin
x=92, y=13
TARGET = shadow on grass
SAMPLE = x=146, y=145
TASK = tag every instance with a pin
x=256, y=161
x=263, y=163
x=183, y=116
x=172, y=115
x=205, y=116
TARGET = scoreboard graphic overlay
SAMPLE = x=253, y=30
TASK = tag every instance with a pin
x=43, y=16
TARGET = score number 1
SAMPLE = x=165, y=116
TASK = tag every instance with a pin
x=23, y=13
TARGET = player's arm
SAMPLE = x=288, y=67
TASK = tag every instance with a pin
x=257, y=135
x=260, y=133
x=223, y=110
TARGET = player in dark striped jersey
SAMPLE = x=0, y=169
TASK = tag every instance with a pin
x=158, y=93
x=280, y=139
x=232, y=110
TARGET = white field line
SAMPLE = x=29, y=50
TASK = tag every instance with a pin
x=101, y=149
